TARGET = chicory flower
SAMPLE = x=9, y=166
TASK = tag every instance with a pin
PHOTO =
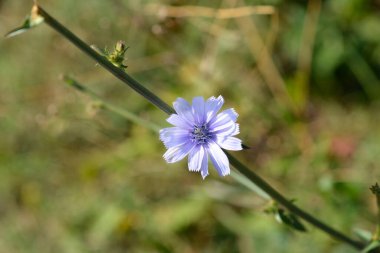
x=201, y=132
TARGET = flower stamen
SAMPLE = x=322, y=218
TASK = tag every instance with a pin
x=200, y=134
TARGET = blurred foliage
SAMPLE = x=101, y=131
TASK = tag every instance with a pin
x=304, y=79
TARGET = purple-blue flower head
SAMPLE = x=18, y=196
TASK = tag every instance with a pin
x=201, y=132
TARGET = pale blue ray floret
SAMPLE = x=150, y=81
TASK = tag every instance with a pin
x=201, y=132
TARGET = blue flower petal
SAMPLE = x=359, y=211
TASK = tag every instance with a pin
x=173, y=136
x=196, y=158
x=204, y=167
x=226, y=129
x=218, y=159
x=230, y=129
x=199, y=110
x=177, y=153
x=229, y=143
x=223, y=118
x=183, y=109
x=236, y=130
x=177, y=121
x=212, y=106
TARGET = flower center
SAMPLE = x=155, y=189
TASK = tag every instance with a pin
x=200, y=134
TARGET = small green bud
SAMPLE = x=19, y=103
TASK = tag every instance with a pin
x=121, y=47
x=117, y=56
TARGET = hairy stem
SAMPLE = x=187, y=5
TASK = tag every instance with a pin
x=256, y=179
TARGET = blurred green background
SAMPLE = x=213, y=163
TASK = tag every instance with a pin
x=303, y=75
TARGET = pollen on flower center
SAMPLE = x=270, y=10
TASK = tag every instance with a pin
x=200, y=134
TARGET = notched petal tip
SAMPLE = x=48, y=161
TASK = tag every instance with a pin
x=237, y=130
x=235, y=113
x=227, y=173
x=229, y=143
x=204, y=173
x=212, y=106
x=196, y=158
x=204, y=176
x=218, y=158
x=177, y=153
x=220, y=98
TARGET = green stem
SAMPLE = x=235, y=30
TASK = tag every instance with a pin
x=117, y=72
x=289, y=205
x=126, y=114
x=169, y=110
